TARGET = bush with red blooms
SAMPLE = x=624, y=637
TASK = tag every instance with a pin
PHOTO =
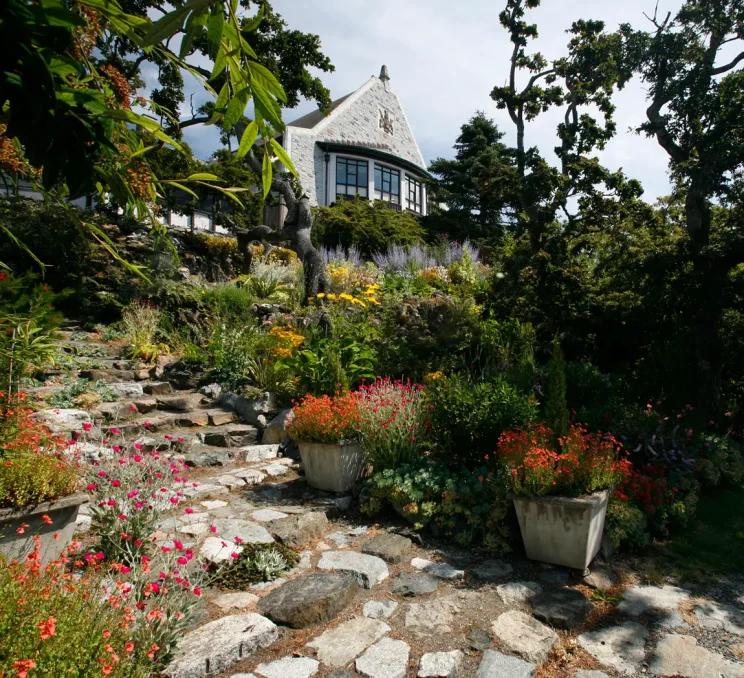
x=131, y=487
x=393, y=422
x=575, y=464
x=326, y=419
x=56, y=622
x=33, y=466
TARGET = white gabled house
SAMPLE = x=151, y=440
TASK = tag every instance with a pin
x=364, y=147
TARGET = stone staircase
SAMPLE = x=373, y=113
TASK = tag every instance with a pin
x=365, y=599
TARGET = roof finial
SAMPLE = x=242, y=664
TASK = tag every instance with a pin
x=384, y=75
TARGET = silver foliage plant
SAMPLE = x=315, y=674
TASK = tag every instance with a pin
x=399, y=258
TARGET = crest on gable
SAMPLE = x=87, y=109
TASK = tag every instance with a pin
x=386, y=121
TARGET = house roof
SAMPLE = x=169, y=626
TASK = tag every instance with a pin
x=309, y=120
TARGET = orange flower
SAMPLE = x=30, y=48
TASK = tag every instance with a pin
x=23, y=666
x=46, y=519
x=153, y=649
x=129, y=646
x=47, y=628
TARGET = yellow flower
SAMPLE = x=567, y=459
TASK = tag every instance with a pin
x=433, y=376
x=320, y=295
x=345, y=296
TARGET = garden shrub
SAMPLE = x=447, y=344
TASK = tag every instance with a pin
x=626, y=526
x=466, y=506
x=230, y=302
x=591, y=394
x=53, y=624
x=555, y=406
x=467, y=417
x=719, y=460
x=83, y=393
x=392, y=422
x=371, y=227
x=33, y=466
x=421, y=335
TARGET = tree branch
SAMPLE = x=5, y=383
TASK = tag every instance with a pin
x=727, y=67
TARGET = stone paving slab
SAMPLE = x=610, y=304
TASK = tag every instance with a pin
x=219, y=644
x=340, y=645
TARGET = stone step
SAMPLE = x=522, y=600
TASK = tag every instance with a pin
x=229, y=435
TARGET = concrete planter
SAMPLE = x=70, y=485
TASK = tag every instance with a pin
x=562, y=530
x=332, y=467
x=63, y=513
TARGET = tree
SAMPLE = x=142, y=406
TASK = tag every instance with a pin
x=693, y=64
x=73, y=120
x=597, y=64
x=287, y=53
x=475, y=186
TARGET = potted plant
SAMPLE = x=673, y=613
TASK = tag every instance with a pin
x=37, y=486
x=560, y=488
x=326, y=430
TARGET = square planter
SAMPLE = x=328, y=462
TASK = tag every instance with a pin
x=332, y=467
x=63, y=512
x=562, y=530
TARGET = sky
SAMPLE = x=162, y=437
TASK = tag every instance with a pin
x=444, y=58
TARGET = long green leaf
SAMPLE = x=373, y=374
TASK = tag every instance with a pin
x=283, y=156
x=247, y=139
x=266, y=173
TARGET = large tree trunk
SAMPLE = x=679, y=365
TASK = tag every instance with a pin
x=709, y=282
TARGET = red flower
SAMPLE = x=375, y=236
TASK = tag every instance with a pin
x=47, y=628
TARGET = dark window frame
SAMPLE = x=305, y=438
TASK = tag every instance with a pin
x=388, y=178
x=360, y=185
x=414, y=194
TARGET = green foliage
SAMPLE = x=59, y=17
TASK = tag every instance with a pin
x=255, y=563
x=475, y=185
x=371, y=227
x=28, y=326
x=467, y=418
x=84, y=625
x=73, y=389
x=719, y=460
x=33, y=467
x=230, y=302
x=338, y=352
x=556, y=407
x=469, y=507
x=626, y=526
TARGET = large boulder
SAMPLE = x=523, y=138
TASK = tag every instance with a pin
x=310, y=599
x=298, y=530
x=276, y=430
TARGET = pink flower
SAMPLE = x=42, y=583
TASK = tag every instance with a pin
x=91, y=487
x=87, y=426
x=138, y=447
x=115, y=431
x=137, y=458
x=132, y=493
x=182, y=560
x=213, y=528
x=234, y=555
x=188, y=510
x=197, y=591
x=116, y=482
x=102, y=474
